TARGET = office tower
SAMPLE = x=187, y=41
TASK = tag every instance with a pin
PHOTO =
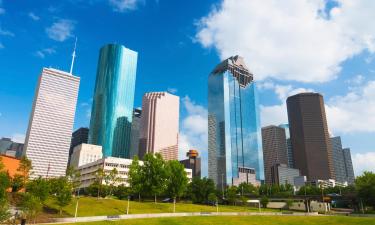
x=311, y=145
x=281, y=174
x=288, y=145
x=79, y=136
x=234, y=137
x=348, y=166
x=159, y=125
x=84, y=154
x=274, y=149
x=51, y=122
x=134, y=142
x=338, y=160
x=112, y=109
x=193, y=162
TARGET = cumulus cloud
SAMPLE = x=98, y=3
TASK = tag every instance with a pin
x=6, y=33
x=125, y=5
x=33, y=16
x=18, y=137
x=60, y=30
x=172, y=90
x=43, y=52
x=193, y=131
x=291, y=39
x=363, y=162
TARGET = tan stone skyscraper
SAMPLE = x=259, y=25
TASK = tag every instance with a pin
x=159, y=125
x=309, y=135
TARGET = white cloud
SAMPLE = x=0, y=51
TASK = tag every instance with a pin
x=172, y=90
x=290, y=39
x=60, y=30
x=125, y=5
x=18, y=137
x=33, y=16
x=46, y=51
x=193, y=131
x=6, y=33
x=363, y=162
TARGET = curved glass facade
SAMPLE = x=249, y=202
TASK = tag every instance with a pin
x=113, y=101
x=234, y=128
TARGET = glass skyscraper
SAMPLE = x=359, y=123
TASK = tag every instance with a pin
x=113, y=100
x=234, y=136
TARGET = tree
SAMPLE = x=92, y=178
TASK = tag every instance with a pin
x=4, y=185
x=111, y=178
x=25, y=167
x=30, y=206
x=200, y=189
x=212, y=198
x=232, y=194
x=136, y=177
x=100, y=174
x=73, y=176
x=39, y=188
x=365, y=187
x=17, y=183
x=264, y=201
x=177, y=180
x=62, y=189
x=4, y=211
x=154, y=174
x=122, y=192
x=247, y=189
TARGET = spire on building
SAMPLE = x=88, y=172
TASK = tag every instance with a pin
x=73, y=57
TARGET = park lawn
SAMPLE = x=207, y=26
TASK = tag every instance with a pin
x=90, y=206
x=242, y=220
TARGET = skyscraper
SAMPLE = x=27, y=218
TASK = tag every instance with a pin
x=51, y=122
x=134, y=142
x=113, y=100
x=289, y=145
x=311, y=145
x=348, y=166
x=234, y=137
x=79, y=136
x=338, y=160
x=274, y=149
x=159, y=125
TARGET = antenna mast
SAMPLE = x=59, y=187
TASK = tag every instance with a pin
x=73, y=56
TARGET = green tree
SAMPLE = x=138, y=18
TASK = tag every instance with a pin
x=4, y=211
x=200, y=189
x=39, y=188
x=177, y=180
x=122, y=192
x=154, y=174
x=62, y=189
x=25, y=167
x=247, y=189
x=264, y=201
x=111, y=179
x=100, y=175
x=365, y=187
x=17, y=183
x=30, y=206
x=232, y=194
x=212, y=198
x=4, y=185
x=136, y=177
x=73, y=176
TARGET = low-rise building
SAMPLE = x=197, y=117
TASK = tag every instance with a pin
x=246, y=175
x=327, y=183
x=84, y=154
x=282, y=174
x=88, y=171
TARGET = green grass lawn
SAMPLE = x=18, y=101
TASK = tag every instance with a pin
x=89, y=206
x=248, y=220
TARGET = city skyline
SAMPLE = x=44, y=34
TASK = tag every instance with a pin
x=347, y=90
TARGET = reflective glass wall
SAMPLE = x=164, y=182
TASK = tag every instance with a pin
x=113, y=100
x=233, y=128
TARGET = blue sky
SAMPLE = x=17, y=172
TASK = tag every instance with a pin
x=294, y=46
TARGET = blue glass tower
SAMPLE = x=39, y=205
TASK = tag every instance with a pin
x=113, y=100
x=234, y=135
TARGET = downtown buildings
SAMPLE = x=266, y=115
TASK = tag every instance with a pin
x=112, y=109
x=50, y=127
x=234, y=137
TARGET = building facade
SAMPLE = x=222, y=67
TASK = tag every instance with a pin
x=312, y=150
x=159, y=125
x=136, y=124
x=274, y=149
x=51, y=122
x=281, y=174
x=9, y=147
x=193, y=162
x=348, y=166
x=88, y=171
x=246, y=175
x=79, y=136
x=234, y=136
x=84, y=154
x=112, y=109
x=338, y=160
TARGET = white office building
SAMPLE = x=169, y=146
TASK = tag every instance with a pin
x=51, y=122
x=84, y=154
x=88, y=171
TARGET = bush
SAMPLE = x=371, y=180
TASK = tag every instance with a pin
x=264, y=201
x=122, y=192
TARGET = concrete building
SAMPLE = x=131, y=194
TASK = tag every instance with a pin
x=160, y=125
x=338, y=160
x=80, y=136
x=327, y=183
x=136, y=124
x=274, y=149
x=113, y=101
x=246, y=175
x=84, y=154
x=9, y=147
x=88, y=171
x=309, y=135
x=51, y=122
x=348, y=166
x=282, y=174
x=234, y=135
x=193, y=162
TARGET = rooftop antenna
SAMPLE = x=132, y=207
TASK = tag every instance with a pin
x=73, y=57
